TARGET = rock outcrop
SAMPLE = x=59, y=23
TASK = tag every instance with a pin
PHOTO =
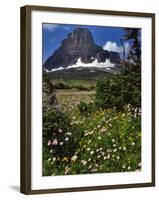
x=79, y=44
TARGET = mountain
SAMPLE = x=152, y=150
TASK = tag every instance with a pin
x=79, y=45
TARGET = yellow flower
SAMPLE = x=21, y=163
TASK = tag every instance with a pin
x=65, y=159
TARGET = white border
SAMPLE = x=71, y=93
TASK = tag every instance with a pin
x=39, y=182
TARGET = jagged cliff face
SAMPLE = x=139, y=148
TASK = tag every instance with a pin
x=79, y=44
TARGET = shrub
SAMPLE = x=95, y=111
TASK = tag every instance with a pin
x=120, y=90
x=61, y=85
x=86, y=108
x=60, y=139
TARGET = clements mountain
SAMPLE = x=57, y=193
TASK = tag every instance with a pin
x=79, y=45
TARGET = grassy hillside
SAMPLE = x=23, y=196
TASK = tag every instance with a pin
x=80, y=73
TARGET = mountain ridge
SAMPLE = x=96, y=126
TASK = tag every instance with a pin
x=79, y=44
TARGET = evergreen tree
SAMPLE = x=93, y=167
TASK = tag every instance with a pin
x=133, y=35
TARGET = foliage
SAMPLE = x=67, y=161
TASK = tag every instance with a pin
x=106, y=141
x=58, y=140
x=76, y=84
x=133, y=35
x=118, y=91
x=87, y=108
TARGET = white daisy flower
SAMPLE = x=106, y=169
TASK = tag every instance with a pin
x=124, y=148
x=61, y=143
x=66, y=139
x=74, y=158
x=118, y=157
x=92, y=152
x=60, y=130
x=54, y=159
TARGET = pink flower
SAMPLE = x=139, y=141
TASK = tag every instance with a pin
x=55, y=142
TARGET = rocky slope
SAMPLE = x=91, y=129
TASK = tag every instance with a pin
x=79, y=44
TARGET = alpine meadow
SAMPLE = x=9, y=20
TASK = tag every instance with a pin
x=91, y=99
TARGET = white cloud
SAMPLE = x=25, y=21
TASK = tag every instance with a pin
x=112, y=46
x=50, y=27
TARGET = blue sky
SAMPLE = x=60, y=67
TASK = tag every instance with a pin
x=107, y=37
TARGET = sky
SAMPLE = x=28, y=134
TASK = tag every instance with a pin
x=107, y=37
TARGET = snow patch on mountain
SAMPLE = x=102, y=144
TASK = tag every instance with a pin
x=79, y=63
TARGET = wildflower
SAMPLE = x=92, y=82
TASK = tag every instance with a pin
x=118, y=157
x=49, y=143
x=105, y=157
x=115, y=150
x=133, y=143
x=124, y=148
x=55, y=142
x=89, y=159
x=65, y=159
x=66, y=139
x=90, y=133
x=120, y=148
x=129, y=168
x=49, y=159
x=114, y=145
x=108, y=156
x=92, y=152
x=84, y=162
x=101, y=149
x=88, y=149
x=61, y=143
x=54, y=159
x=98, y=156
x=74, y=158
x=89, y=141
x=135, y=110
x=113, y=140
x=68, y=133
x=86, y=133
x=67, y=169
x=90, y=166
x=99, y=126
x=123, y=166
x=60, y=130
x=99, y=138
x=102, y=153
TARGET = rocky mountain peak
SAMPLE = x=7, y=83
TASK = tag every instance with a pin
x=79, y=44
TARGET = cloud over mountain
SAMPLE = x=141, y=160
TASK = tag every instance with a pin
x=112, y=46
